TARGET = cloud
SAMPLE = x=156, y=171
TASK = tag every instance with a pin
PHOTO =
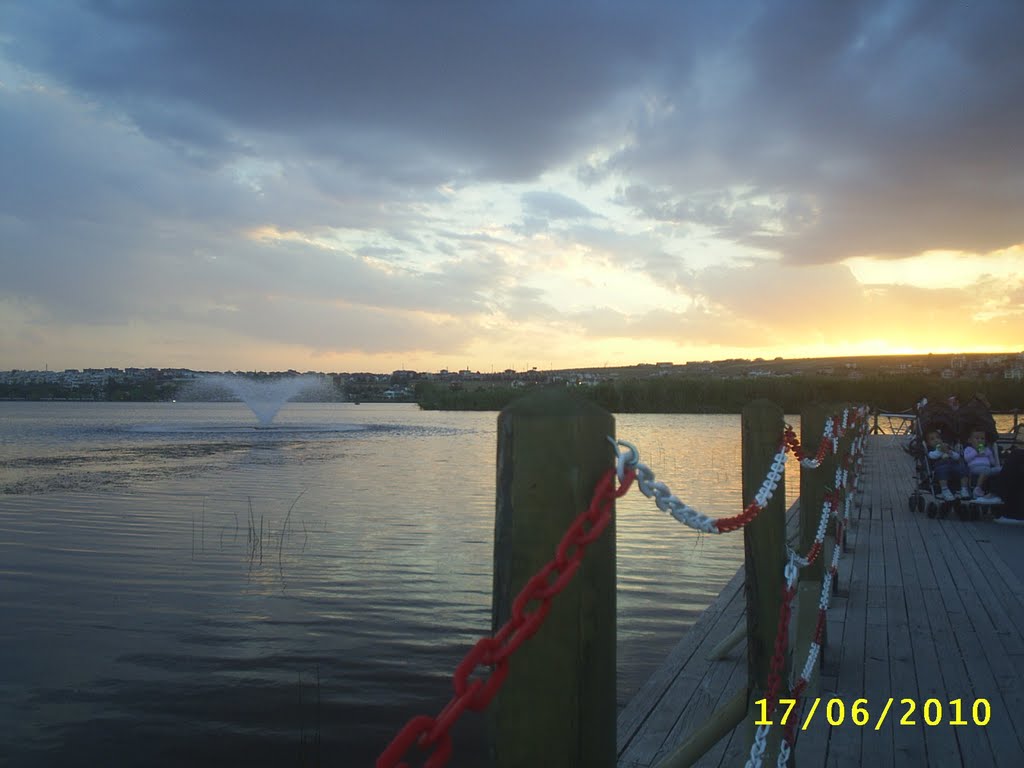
x=338, y=328
x=822, y=131
x=498, y=91
x=813, y=130
x=460, y=176
x=554, y=206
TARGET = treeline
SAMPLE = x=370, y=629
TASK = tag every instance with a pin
x=707, y=395
x=120, y=391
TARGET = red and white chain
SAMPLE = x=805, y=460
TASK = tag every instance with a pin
x=668, y=502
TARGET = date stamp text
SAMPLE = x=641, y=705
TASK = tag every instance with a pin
x=873, y=714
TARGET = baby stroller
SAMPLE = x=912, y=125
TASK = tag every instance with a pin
x=976, y=417
x=953, y=428
x=926, y=496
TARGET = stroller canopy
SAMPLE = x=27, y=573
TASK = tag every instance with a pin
x=938, y=417
x=973, y=416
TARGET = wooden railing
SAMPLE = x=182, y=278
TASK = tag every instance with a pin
x=557, y=706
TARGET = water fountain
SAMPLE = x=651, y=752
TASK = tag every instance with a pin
x=265, y=397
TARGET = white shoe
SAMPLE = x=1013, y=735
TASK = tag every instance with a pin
x=947, y=495
x=965, y=494
x=987, y=500
x=1009, y=520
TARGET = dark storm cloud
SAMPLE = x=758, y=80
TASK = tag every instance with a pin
x=821, y=130
x=827, y=130
x=492, y=89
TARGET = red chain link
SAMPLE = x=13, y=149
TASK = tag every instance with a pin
x=794, y=444
x=426, y=733
x=729, y=524
x=781, y=643
x=813, y=553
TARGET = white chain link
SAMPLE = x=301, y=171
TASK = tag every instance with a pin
x=670, y=503
x=809, y=664
x=783, y=760
x=758, y=748
x=772, y=480
x=819, y=534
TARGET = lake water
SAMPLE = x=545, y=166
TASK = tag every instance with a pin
x=179, y=588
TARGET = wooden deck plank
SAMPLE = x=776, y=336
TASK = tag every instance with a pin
x=648, y=719
x=995, y=647
x=904, y=650
x=877, y=745
x=639, y=707
x=716, y=756
x=848, y=652
x=950, y=629
x=694, y=695
x=961, y=652
x=938, y=743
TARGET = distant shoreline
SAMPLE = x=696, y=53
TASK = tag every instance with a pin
x=721, y=396
x=654, y=392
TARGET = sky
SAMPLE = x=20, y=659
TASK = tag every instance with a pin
x=381, y=184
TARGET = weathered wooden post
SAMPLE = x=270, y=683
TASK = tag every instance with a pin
x=764, y=541
x=815, y=485
x=557, y=706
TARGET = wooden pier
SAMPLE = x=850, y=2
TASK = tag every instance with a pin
x=927, y=609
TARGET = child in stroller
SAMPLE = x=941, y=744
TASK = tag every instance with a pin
x=977, y=432
x=938, y=463
x=982, y=462
x=946, y=467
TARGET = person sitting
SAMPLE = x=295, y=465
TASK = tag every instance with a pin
x=982, y=463
x=945, y=463
x=1009, y=483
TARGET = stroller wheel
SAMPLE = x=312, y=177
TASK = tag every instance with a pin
x=932, y=509
x=920, y=503
x=912, y=503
